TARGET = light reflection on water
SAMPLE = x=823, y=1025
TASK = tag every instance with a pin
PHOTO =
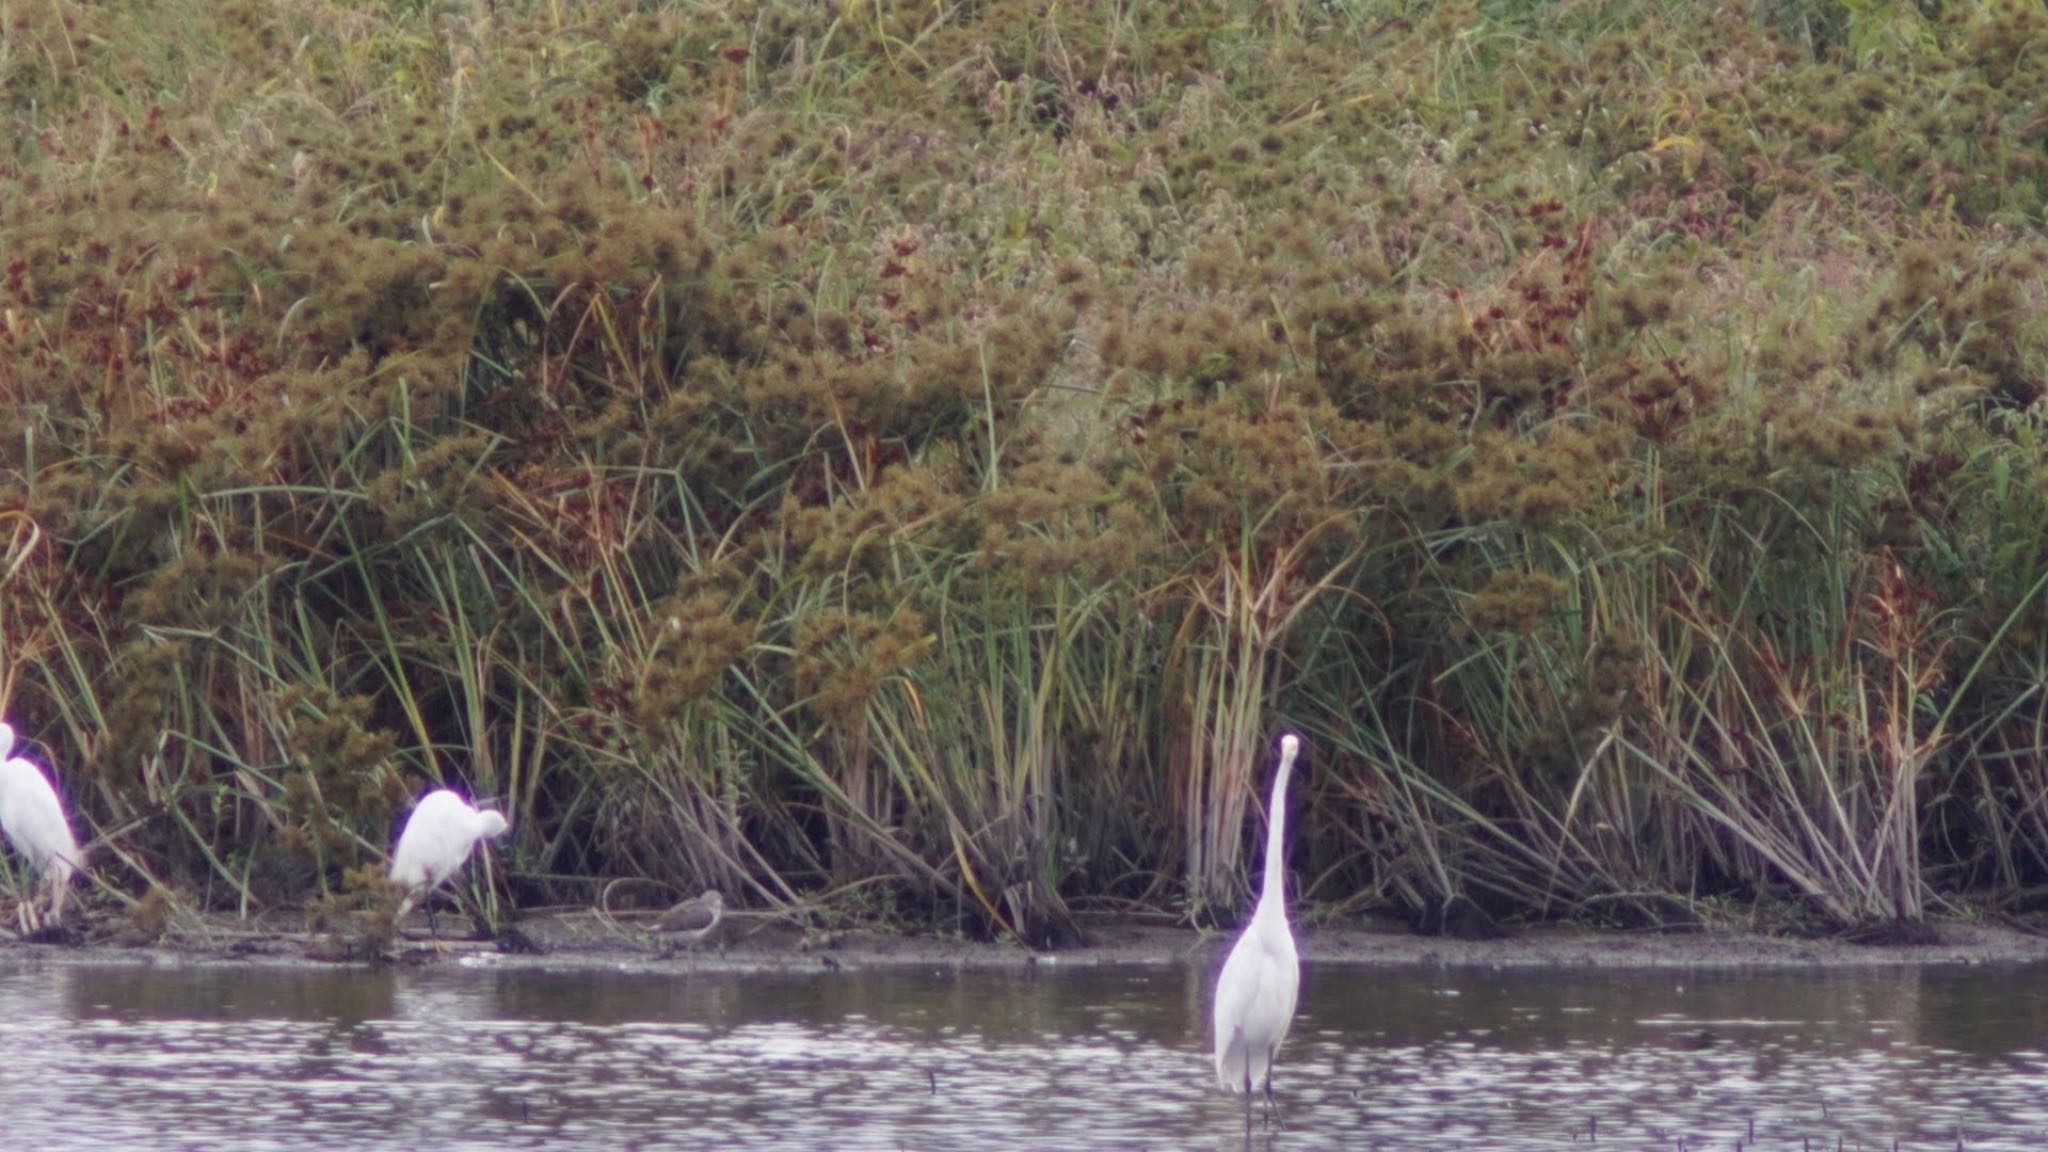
x=224, y=1058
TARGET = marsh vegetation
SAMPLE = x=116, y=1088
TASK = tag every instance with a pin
x=904, y=460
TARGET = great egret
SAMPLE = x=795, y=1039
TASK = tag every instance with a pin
x=692, y=920
x=1255, y=995
x=437, y=839
x=33, y=818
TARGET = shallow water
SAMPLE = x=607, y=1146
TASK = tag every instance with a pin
x=1055, y=1057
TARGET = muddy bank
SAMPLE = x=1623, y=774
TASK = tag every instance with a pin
x=581, y=940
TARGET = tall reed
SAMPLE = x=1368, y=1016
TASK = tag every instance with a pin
x=910, y=462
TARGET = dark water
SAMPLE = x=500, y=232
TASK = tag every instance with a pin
x=1059, y=1057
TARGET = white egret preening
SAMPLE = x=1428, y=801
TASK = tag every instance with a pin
x=1255, y=995
x=692, y=920
x=437, y=839
x=33, y=818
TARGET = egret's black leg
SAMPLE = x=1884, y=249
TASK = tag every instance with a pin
x=1272, y=1105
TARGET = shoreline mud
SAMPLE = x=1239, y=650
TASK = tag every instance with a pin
x=571, y=941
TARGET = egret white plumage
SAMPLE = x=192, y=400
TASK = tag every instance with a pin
x=33, y=819
x=1255, y=995
x=692, y=920
x=438, y=837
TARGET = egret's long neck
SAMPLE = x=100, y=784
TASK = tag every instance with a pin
x=1273, y=897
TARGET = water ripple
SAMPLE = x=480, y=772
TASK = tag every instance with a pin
x=1085, y=1058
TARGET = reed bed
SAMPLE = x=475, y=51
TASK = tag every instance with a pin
x=906, y=462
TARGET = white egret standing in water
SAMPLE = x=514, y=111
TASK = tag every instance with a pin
x=437, y=839
x=33, y=818
x=1255, y=995
x=692, y=920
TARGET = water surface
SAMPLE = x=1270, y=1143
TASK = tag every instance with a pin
x=1055, y=1057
